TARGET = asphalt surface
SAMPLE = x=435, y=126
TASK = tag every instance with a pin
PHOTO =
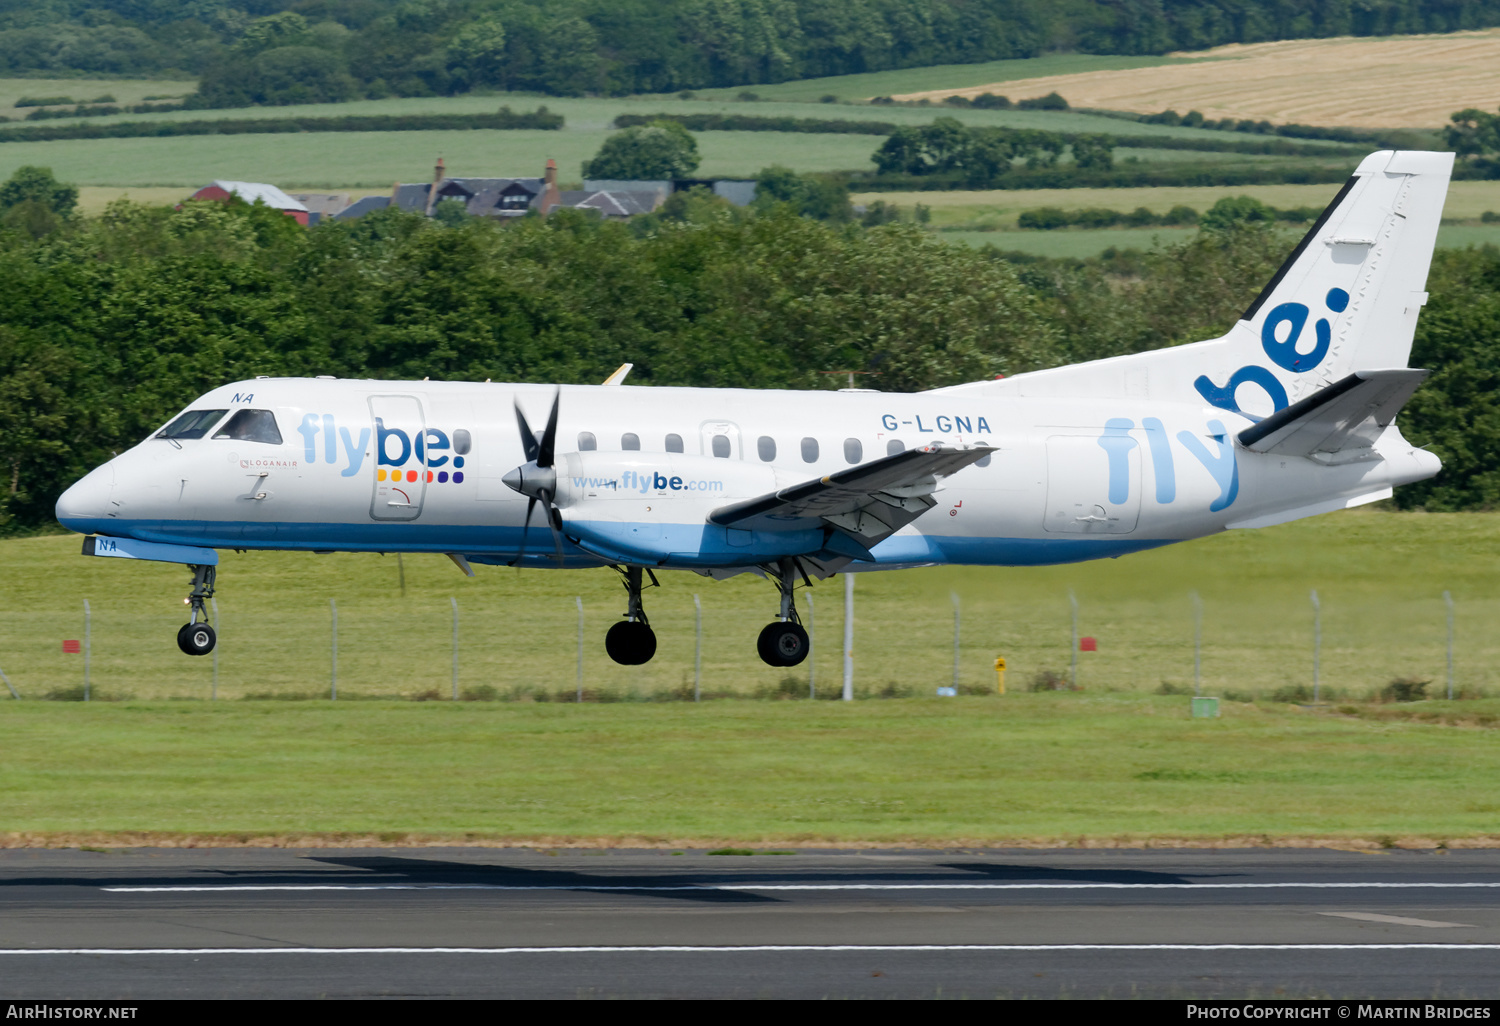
x=167, y=923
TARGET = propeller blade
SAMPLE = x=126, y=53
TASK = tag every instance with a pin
x=552, y=517
x=526, y=528
x=549, y=437
x=528, y=438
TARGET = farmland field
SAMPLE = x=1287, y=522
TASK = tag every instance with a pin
x=1081, y=243
x=1394, y=82
x=1382, y=618
x=999, y=208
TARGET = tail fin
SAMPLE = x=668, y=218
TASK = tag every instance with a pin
x=1345, y=300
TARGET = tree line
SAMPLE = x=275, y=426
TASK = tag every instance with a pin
x=109, y=325
x=298, y=51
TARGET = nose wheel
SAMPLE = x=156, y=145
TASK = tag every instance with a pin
x=196, y=637
x=785, y=643
x=632, y=642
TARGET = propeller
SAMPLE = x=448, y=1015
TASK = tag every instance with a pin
x=537, y=477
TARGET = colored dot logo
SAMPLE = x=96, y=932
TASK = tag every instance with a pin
x=411, y=476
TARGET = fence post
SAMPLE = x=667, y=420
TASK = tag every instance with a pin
x=1448, y=601
x=1197, y=644
x=812, y=652
x=87, y=646
x=954, y=596
x=401, y=569
x=454, y=599
x=1317, y=644
x=1073, y=664
x=13, y=693
x=579, y=600
x=213, y=694
x=697, y=648
x=333, y=694
x=848, y=637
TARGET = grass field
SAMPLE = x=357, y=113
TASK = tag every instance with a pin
x=1395, y=82
x=85, y=90
x=1082, y=243
x=1382, y=619
x=1041, y=769
x=999, y=208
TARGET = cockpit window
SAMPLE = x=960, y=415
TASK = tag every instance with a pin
x=193, y=424
x=251, y=426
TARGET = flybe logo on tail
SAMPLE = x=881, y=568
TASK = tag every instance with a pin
x=1279, y=336
x=399, y=453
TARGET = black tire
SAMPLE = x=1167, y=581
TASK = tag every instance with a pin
x=630, y=643
x=196, y=639
x=782, y=644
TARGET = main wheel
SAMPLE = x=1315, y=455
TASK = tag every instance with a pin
x=630, y=643
x=783, y=643
x=196, y=639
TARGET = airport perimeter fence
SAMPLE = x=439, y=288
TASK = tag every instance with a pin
x=414, y=629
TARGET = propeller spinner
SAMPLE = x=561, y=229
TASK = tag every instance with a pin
x=537, y=477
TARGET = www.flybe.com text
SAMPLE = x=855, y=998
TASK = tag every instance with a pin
x=631, y=481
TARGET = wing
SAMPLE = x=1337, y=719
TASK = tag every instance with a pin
x=869, y=502
x=1339, y=423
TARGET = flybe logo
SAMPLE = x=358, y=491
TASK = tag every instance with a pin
x=399, y=454
x=632, y=480
x=1279, y=336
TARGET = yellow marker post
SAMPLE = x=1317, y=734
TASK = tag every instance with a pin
x=1000, y=672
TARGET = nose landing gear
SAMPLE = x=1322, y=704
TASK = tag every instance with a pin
x=196, y=637
x=632, y=642
x=785, y=643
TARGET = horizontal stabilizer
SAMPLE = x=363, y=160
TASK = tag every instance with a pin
x=1346, y=417
x=869, y=502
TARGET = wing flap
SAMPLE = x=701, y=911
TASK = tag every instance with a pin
x=1344, y=418
x=869, y=502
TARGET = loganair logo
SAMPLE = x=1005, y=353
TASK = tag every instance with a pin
x=1279, y=336
x=631, y=481
x=399, y=455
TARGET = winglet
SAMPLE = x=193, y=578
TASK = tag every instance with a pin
x=618, y=377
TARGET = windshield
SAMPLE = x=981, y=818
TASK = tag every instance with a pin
x=193, y=424
x=251, y=426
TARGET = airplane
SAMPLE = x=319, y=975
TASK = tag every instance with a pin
x=1288, y=415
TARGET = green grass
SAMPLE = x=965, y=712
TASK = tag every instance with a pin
x=942, y=76
x=1052, y=768
x=84, y=90
x=1382, y=619
x=1082, y=243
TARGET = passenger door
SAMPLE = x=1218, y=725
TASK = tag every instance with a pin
x=398, y=425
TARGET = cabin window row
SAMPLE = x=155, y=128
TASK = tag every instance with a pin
x=765, y=447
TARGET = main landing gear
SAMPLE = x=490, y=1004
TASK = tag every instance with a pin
x=784, y=642
x=196, y=637
x=632, y=642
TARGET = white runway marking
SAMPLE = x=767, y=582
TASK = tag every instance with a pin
x=649, y=949
x=1376, y=917
x=955, y=886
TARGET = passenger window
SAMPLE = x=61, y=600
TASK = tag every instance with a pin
x=809, y=450
x=587, y=442
x=854, y=451
x=894, y=446
x=251, y=426
x=984, y=460
x=630, y=441
x=721, y=446
x=766, y=447
x=193, y=424
x=462, y=441
x=674, y=443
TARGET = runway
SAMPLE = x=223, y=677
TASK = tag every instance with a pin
x=483, y=923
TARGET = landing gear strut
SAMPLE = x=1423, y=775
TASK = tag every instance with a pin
x=196, y=637
x=785, y=643
x=632, y=642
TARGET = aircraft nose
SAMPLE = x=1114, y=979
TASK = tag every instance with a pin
x=87, y=502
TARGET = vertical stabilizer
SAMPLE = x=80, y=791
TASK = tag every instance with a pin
x=1345, y=300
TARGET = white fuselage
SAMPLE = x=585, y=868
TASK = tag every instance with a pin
x=417, y=466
